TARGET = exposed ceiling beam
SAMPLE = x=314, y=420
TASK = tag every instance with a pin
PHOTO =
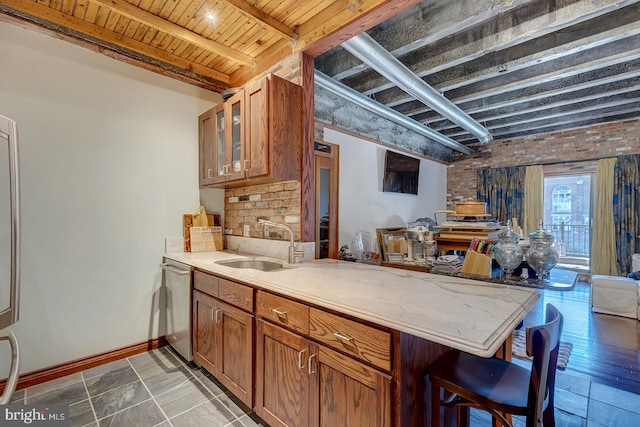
x=540, y=105
x=123, y=8
x=568, y=111
x=542, y=126
x=490, y=40
x=265, y=20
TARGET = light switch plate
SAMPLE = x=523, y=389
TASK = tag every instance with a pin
x=246, y=230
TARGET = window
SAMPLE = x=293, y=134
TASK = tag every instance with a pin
x=561, y=199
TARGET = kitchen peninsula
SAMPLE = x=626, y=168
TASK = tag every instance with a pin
x=387, y=324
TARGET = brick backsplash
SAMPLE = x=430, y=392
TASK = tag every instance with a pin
x=586, y=143
x=278, y=202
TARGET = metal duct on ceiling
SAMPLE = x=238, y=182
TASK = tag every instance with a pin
x=377, y=57
x=343, y=91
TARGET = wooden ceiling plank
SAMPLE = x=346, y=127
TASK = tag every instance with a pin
x=182, y=16
x=124, y=8
x=101, y=17
x=122, y=25
x=68, y=6
x=91, y=13
x=80, y=9
x=112, y=21
x=168, y=8
x=149, y=35
x=265, y=20
x=131, y=29
x=42, y=13
x=155, y=7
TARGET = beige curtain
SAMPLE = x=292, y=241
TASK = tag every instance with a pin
x=603, y=244
x=533, y=209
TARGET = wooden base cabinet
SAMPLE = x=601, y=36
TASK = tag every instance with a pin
x=223, y=343
x=301, y=383
x=346, y=392
x=282, y=378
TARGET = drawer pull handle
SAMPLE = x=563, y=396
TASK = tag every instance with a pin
x=218, y=311
x=214, y=314
x=300, y=362
x=344, y=340
x=310, y=370
x=282, y=315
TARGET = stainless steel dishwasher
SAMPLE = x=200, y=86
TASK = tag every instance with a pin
x=176, y=279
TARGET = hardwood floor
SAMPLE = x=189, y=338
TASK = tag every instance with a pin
x=606, y=349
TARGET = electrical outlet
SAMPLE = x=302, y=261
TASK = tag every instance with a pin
x=246, y=230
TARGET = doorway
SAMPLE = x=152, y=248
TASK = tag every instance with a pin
x=326, y=192
x=567, y=215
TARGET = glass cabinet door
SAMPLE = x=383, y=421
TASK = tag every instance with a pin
x=220, y=145
x=235, y=153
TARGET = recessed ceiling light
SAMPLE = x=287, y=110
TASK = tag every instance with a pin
x=210, y=16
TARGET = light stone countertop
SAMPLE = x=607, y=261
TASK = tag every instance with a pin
x=468, y=315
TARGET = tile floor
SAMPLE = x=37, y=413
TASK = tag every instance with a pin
x=158, y=389
x=149, y=389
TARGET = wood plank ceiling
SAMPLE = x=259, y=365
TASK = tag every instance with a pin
x=215, y=44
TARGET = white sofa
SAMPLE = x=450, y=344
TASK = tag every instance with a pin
x=615, y=295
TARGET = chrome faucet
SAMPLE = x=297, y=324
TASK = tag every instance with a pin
x=292, y=244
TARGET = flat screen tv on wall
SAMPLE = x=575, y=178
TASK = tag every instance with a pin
x=400, y=173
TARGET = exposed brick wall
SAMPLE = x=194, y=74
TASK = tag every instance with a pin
x=279, y=202
x=594, y=142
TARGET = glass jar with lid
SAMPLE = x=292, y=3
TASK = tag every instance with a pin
x=507, y=252
x=542, y=255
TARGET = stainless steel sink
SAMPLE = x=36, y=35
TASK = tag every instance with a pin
x=256, y=264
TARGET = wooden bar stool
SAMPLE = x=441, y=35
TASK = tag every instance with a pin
x=500, y=387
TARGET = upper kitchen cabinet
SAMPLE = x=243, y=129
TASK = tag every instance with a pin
x=221, y=142
x=253, y=137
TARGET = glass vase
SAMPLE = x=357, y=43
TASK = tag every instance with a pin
x=507, y=252
x=541, y=255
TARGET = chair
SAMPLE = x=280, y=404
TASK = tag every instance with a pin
x=499, y=386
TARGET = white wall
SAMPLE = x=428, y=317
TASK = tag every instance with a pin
x=362, y=203
x=108, y=166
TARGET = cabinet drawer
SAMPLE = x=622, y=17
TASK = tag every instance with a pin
x=234, y=293
x=206, y=283
x=361, y=341
x=284, y=312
